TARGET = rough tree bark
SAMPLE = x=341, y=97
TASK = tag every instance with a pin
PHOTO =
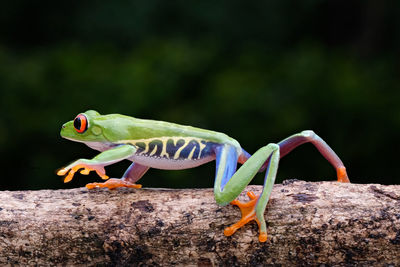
x=308, y=224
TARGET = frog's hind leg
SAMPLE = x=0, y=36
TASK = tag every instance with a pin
x=255, y=208
x=130, y=177
x=134, y=173
x=229, y=184
x=290, y=143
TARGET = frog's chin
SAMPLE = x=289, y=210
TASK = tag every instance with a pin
x=97, y=145
x=73, y=139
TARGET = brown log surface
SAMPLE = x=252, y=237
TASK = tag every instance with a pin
x=308, y=224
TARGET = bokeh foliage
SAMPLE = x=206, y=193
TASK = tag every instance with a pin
x=258, y=71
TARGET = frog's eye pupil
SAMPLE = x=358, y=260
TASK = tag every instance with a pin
x=77, y=123
x=80, y=123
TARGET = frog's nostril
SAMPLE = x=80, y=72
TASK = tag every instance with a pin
x=63, y=126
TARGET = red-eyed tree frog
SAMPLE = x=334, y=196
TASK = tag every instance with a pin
x=164, y=145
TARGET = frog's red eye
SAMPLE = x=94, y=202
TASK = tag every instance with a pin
x=80, y=123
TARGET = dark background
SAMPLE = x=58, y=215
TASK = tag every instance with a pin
x=256, y=70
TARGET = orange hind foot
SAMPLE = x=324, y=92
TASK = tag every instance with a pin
x=113, y=183
x=342, y=175
x=248, y=214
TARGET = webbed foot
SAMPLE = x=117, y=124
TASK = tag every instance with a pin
x=84, y=168
x=113, y=183
x=248, y=214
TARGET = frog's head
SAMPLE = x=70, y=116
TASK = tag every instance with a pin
x=84, y=128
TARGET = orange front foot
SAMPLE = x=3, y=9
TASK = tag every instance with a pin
x=84, y=169
x=248, y=214
x=342, y=175
x=113, y=183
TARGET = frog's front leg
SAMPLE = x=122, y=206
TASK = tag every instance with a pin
x=97, y=164
x=229, y=184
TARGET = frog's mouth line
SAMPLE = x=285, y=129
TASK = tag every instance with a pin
x=72, y=139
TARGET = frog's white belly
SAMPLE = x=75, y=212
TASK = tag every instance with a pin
x=170, y=164
x=155, y=160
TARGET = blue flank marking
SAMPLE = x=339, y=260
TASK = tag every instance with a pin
x=231, y=163
x=208, y=150
x=189, y=147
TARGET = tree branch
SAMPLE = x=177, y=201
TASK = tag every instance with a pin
x=308, y=223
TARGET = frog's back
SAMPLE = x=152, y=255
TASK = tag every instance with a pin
x=139, y=129
x=169, y=145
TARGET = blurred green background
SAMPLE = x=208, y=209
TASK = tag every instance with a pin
x=258, y=71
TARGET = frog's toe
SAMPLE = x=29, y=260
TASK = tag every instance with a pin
x=62, y=171
x=102, y=174
x=67, y=170
x=85, y=171
x=69, y=177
